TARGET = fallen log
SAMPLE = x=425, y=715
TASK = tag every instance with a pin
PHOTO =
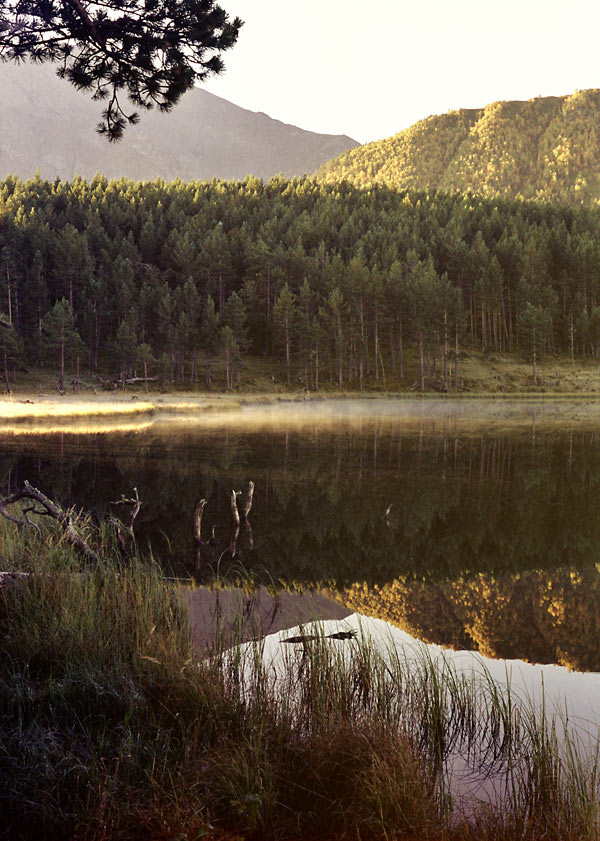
x=7, y=578
x=133, y=380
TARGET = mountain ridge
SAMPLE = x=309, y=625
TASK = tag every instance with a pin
x=547, y=148
x=48, y=126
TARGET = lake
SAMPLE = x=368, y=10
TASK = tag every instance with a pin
x=471, y=524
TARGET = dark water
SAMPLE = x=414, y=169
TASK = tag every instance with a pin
x=478, y=532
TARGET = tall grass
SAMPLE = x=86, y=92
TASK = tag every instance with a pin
x=111, y=728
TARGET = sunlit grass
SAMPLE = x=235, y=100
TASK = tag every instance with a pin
x=494, y=388
x=74, y=426
x=43, y=408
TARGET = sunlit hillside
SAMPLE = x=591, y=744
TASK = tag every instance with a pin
x=547, y=148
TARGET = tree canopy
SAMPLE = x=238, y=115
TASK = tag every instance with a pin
x=153, y=51
x=332, y=283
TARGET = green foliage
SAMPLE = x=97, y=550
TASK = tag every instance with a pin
x=60, y=334
x=373, y=275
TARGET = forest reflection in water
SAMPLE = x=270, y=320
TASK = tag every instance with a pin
x=464, y=528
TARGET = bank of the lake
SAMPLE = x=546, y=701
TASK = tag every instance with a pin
x=482, y=373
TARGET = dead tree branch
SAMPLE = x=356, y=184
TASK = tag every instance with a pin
x=250, y=536
x=234, y=507
x=247, y=506
x=234, y=540
x=198, y=510
x=47, y=508
x=241, y=506
x=124, y=529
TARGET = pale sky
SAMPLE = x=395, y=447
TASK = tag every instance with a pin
x=370, y=68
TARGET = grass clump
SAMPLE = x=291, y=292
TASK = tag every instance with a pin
x=111, y=728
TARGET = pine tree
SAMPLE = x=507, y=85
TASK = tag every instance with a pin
x=534, y=326
x=234, y=316
x=145, y=357
x=284, y=316
x=126, y=344
x=60, y=334
x=210, y=337
x=11, y=348
x=230, y=351
x=336, y=310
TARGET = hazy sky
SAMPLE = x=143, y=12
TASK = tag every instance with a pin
x=371, y=68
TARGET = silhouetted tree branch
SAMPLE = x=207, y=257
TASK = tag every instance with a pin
x=153, y=51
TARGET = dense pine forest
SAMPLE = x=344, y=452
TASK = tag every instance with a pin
x=176, y=281
x=547, y=149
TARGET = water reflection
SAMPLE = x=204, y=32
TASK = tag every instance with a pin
x=542, y=617
x=465, y=528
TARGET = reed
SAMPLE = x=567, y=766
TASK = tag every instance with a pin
x=111, y=728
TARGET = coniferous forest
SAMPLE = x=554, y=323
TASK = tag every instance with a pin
x=123, y=279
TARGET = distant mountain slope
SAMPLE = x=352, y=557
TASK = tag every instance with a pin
x=546, y=148
x=46, y=125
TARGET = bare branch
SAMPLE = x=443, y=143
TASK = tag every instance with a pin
x=198, y=510
x=48, y=509
x=125, y=531
x=247, y=506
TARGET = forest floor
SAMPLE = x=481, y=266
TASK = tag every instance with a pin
x=35, y=396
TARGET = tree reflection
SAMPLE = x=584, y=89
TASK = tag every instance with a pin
x=479, y=531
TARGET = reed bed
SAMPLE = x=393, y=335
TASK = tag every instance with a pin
x=112, y=728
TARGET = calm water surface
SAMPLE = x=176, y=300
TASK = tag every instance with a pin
x=468, y=524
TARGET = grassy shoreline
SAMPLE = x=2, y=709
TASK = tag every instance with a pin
x=112, y=726
x=482, y=373
x=490, y=377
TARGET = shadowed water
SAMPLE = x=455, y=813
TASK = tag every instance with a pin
x=471, y=524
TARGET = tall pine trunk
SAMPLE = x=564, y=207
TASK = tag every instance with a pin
x=6, y=379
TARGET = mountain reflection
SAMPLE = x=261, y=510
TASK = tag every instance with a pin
x=537, y=616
